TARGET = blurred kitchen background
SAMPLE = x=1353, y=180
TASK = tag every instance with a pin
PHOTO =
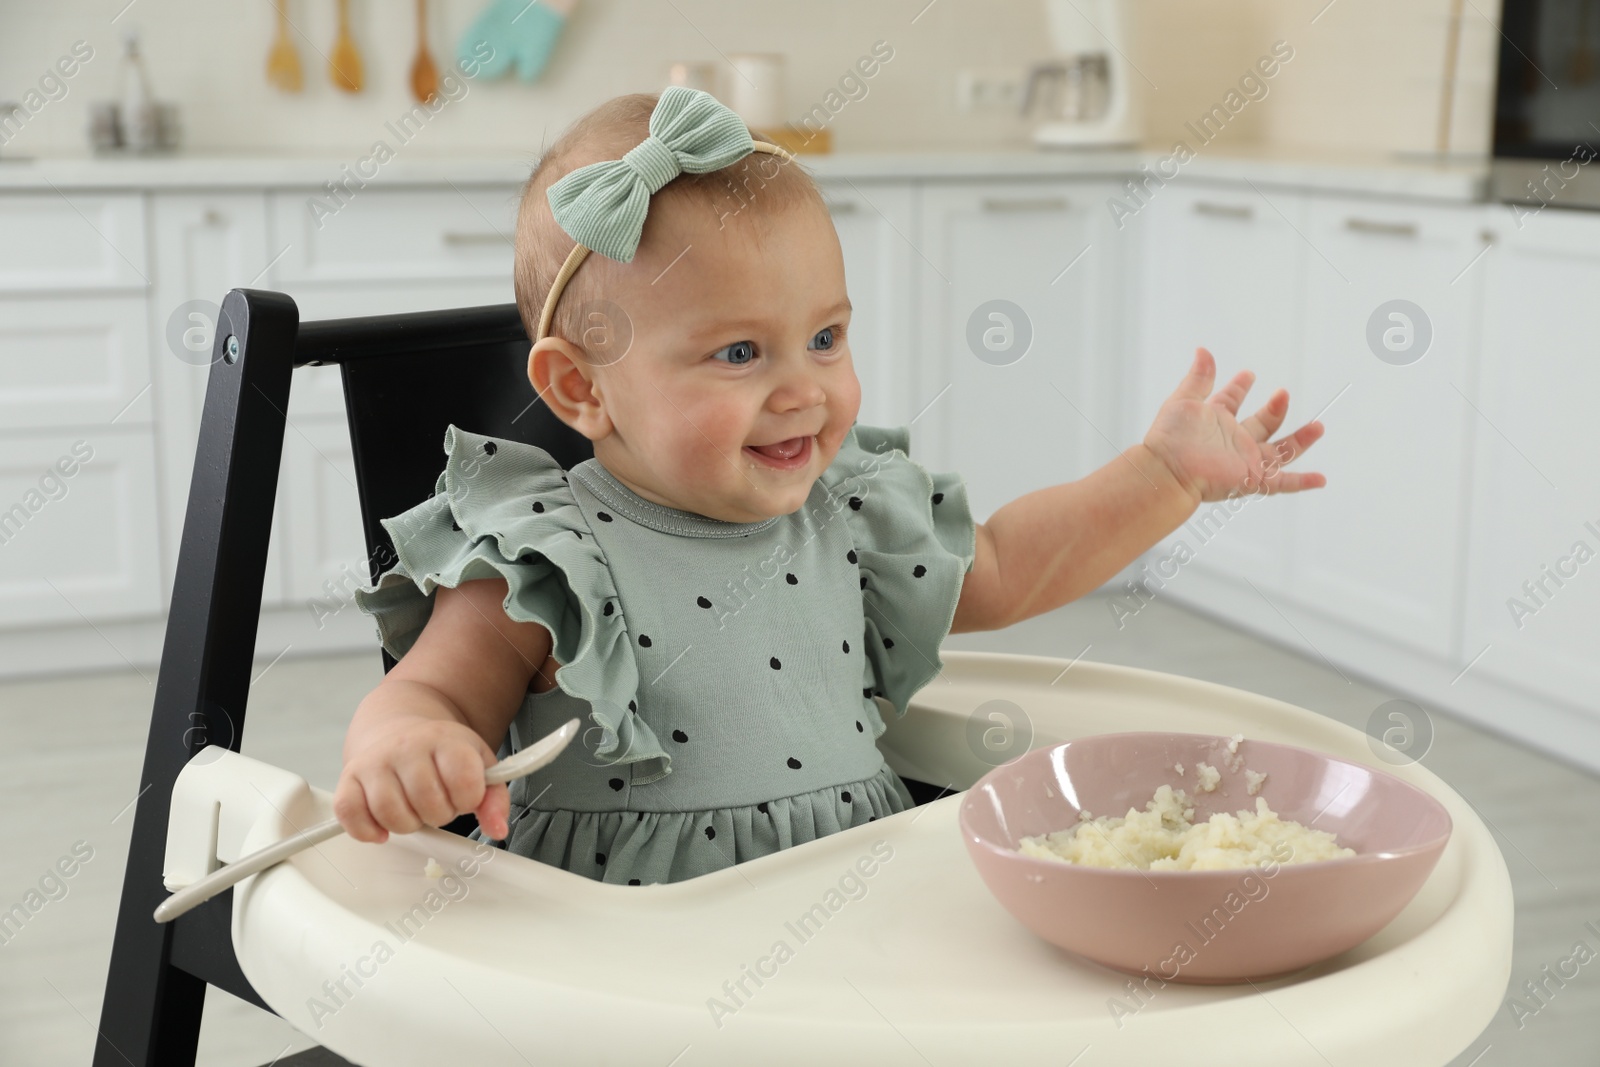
x=1044, y=205
x=1366, y=76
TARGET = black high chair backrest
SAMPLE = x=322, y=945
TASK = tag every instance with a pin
x=406, y=378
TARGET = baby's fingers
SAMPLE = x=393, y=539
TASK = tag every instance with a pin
x=1294, y=481
x=1286, y=449
x=1265, y=422
x=461, y=770
x=494, y=813
x=425, y=791
x=1196, y=384
x=386, y=798
x=350, y=806
x=1230, y=396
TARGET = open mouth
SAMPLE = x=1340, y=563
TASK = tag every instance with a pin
x=783, y=455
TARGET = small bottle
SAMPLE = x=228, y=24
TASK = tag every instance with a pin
x=137, y=112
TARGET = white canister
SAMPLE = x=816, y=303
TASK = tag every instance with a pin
x=756, y=89
x=694, y=74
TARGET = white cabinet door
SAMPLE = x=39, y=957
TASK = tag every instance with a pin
x=446, y=231
x=1380, y=547
x=1223, y=270
x=205, y=244
x=77, y=527
x=1008, y=385
x=74, y=360
x=1533, y=580
x=876, y=222
x=72, y=240
x=326, y=553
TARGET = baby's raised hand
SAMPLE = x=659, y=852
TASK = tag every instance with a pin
x=1212, y=454
x=422, y=772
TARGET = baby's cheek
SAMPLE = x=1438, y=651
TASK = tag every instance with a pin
x=679, y=468
x=706, y=460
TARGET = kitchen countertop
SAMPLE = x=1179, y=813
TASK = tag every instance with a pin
x=1461, y=182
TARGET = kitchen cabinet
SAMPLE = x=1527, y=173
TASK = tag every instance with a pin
x=325, y=550
x=420, y=233
x=1223, y=268
x=876, y=223
x=74, y=359
x=78, y=519
x=1381, y=546
x=1532, y=599
x=205, y=244
x=83, y=240
x=1015, y=321
x=78, y=527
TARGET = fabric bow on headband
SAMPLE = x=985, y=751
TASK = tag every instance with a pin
x=602, y=206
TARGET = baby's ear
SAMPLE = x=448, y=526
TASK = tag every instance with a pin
x=564, y=379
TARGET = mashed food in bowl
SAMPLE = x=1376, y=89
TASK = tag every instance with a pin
x=1162, y=838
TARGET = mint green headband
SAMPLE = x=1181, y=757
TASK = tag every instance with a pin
x=602, y=206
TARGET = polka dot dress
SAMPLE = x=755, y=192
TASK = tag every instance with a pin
x=729, y=675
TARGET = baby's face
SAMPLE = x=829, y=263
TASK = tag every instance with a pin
x=739, y=339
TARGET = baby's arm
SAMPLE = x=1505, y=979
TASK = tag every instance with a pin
x=1052, y=546
x=418, y=744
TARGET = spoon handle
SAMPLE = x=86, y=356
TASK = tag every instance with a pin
x=509, y=769
x=192, y=896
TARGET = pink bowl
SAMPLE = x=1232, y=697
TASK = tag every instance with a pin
x=1203, y=926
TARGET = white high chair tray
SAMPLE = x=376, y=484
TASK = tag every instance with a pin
x=525, y=963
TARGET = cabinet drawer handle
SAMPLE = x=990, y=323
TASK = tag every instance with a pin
x=455, y=238
x=1391, y=229
x=1025, y=203
x=841, y=207
x=1224, y=211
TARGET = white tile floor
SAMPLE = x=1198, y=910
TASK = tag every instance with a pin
x=74, y=747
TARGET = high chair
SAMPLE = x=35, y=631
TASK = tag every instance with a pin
x=877, y=943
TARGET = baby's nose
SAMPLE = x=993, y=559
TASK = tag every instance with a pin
x=799, y=390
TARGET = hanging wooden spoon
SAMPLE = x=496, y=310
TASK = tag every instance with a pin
x=283, y=62
x=424, y=75
x=1582, y=63
x=344, y=65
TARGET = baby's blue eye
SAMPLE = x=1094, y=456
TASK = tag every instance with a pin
x=823, y=340
x=739, y=353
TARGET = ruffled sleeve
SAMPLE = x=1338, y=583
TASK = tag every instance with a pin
x=503, y=508
x=915, y=541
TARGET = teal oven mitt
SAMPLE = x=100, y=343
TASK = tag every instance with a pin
x=520, y=32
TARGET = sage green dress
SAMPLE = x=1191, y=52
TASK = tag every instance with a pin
x=729, y=675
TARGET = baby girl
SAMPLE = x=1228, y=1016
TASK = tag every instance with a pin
x=742, y=580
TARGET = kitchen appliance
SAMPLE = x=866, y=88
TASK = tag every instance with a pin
x=1083, y=92
x=1547, y=99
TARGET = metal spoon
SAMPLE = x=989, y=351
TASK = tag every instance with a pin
x=509, y=769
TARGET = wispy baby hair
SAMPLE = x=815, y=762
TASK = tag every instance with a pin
x=756, y=186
